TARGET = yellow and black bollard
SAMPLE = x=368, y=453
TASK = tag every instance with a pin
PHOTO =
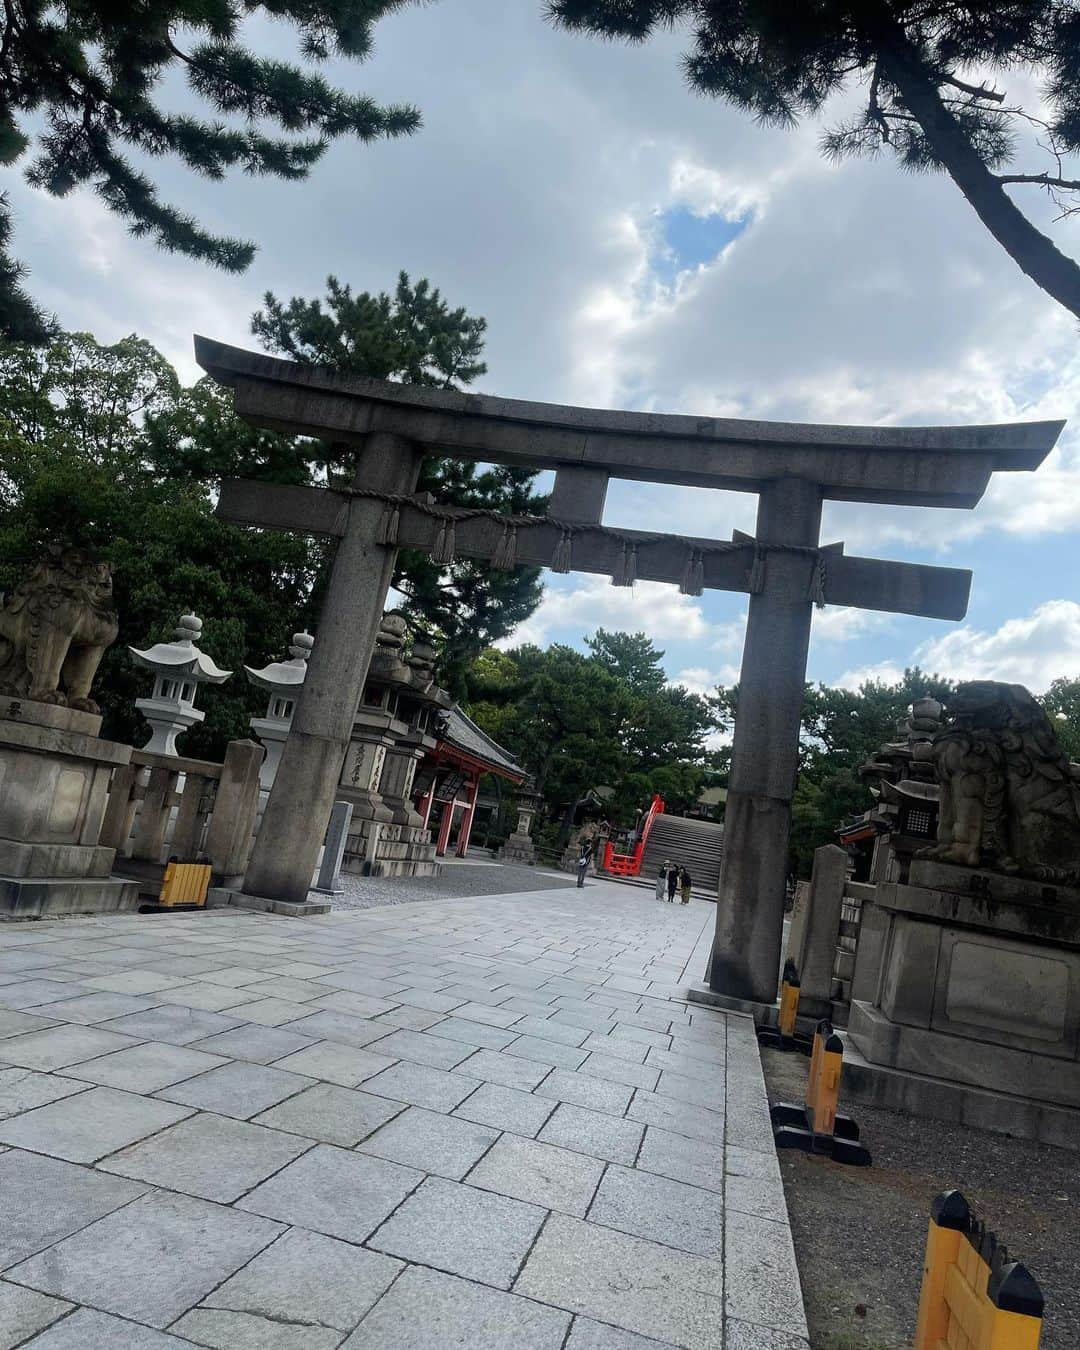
x=972, y=1294
x=785, y=1036
x=817, y=1127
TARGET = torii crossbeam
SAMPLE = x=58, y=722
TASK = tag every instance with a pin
x=792, y=468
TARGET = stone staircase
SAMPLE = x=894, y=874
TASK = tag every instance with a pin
x=694, y=844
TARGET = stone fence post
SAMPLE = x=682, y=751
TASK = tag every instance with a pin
x=229, y=839
x=824, y=908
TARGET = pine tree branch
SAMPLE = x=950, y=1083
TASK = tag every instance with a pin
x=1040, y=180
x=1031, y=250
x=976, y=91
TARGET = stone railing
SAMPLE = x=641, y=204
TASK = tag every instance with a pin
x=164, y=806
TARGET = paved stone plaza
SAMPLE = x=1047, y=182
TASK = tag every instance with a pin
x=486, y=1122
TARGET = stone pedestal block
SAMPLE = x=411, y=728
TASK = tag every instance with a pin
x=976, y=986
x=54, y=782
x=518, y=849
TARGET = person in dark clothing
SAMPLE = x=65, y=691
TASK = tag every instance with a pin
x=684, y=885
x=672, y=884
x=583, y=864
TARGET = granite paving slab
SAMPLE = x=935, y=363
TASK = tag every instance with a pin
x=151, y=1260
x=508, y=1070
x=274, y=1303
x=237, y=1089
x=336, y=1192
x=592, y=1132
x=589, y=1335
x=506, y=1109
x=13, y=1023
x=23, y=1089
x=440, y=1144
x=462, y=1230
x=420, y=1085
x=346, y=1065
x=172, y=1023
x=363, y=1121
x=418, y=1048
x=261, y=1045
x=541, y=1174
x=564, y=1085
x=62, y=1045
x=99, y=1007
x=334, y=1115
x=662, y=1210
x=46, y=1199
x=145, y=1067
x=89, y=1330
x=631, y=1283
x=209, y=1156
x=82, y=1127
x=24, y=1311
x=456, y=1313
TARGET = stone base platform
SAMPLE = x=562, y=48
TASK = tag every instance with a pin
x=56, y=897
x=973, y=1011
x=919, y=1094
x=400, y=851
x=221, y=897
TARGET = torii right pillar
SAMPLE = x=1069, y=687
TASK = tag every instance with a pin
x=765, y=752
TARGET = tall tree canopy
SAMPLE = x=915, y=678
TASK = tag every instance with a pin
x=608, y=718
x=76, y=465
x=79, y=81
x=415, y=337
x=930, y=69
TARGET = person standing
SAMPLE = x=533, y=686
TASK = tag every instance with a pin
x=672, y=884
x=661, y=881
x=583, y=864
x=684, y=885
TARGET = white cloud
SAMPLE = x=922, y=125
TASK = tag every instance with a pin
x=649, y=606
x=1033, y=650
x=884, y=672
x=701, y=680
x=842, y=624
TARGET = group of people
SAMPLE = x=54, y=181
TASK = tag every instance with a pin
x=671, y=879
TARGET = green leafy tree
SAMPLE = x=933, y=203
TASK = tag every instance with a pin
x=929, y=70
x=1062, y=703
x=416, y=338
x=76, y=468
x=580, y=721
x=841, y=729
x=79, y=85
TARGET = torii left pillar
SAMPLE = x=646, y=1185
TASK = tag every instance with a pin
x=302, y=797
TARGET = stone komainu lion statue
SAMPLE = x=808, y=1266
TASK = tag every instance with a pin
x=1010, y=800
x=54, y=629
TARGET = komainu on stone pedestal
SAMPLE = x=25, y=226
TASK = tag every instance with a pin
x=54, y=630
x=1010, y=799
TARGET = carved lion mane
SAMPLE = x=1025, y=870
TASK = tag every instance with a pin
x=55, y=628
x=1010, y=799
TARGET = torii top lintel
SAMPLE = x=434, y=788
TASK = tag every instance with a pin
x=922, y=466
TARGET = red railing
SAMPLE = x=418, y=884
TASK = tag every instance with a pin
x=629, y=864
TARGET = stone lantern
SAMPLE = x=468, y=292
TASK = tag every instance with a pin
x=519, y=847
x=282, y=680
x=179, y=668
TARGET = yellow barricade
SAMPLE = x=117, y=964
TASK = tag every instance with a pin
x=789, y=1000
x=184, y=884
x=973, y=1297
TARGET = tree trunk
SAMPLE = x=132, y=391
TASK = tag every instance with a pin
x=1033, y=252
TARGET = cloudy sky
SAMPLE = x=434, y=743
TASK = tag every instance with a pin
x=632, y=245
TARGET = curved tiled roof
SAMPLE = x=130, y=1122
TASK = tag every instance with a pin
x=463, y=734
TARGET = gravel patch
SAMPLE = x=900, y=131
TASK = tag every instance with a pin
x=458, y=881
x=860, y=1232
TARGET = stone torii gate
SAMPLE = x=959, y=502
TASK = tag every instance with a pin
x=791, y=467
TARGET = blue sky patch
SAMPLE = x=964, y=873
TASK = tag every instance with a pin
x=687, y=241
